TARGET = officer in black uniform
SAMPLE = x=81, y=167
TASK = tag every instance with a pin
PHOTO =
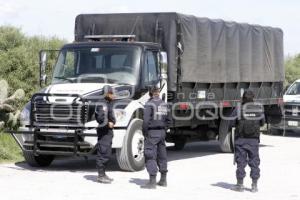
x=105, y=117
x=249, y=119
x=156, y=122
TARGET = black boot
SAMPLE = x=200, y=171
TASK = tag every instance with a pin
x=111, y=179
x=163, y=180
x=103, y=178
x=239, y=187
x=151, y=184
x=254, y=186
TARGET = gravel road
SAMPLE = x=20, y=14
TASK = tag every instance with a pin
x=200, y=171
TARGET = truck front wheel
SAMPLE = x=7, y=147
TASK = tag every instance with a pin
x=38, y=161
x=131, y=156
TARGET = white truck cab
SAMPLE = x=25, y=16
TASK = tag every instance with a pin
x=59, y=120
x=292, y=94
x=291, y=115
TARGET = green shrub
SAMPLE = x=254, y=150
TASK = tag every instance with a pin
x=9, y=149
x=19, y=66
x=292, y=69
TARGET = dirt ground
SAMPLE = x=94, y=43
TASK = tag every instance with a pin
x=200, y=171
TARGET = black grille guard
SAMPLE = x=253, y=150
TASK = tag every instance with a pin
x=76, y=134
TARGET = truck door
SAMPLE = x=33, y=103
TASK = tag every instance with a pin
x=152, y=73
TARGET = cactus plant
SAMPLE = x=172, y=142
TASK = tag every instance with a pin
x=9, y=114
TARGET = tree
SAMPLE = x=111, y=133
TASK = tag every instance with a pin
x=19, y=59
x=292, y=69
x=19, y=69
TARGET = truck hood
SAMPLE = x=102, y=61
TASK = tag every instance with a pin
x=76, y=88
x=86, y=90
x=82, y=89
x=291, y=98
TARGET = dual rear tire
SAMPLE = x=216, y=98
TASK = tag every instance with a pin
x=226, y=137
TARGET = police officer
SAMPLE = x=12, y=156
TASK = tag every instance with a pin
x=249, y=119
x=105, y=117
x=156, y=122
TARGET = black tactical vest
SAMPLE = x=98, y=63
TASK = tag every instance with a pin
x=248, y=125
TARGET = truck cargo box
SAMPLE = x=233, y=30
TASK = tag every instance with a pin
x=200, y=50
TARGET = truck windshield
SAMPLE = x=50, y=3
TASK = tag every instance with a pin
x=98, y=65
x=294, y=89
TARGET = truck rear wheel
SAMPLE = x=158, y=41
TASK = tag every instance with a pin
x=37, y=161
x=131, y=156
x=225, y=137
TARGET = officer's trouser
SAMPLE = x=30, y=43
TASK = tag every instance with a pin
x=247, y=152
x=104, y=150
x=155, y=152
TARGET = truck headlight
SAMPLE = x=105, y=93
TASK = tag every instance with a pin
x=120, y=114
x=25, y=115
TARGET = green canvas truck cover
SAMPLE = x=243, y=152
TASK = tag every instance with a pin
x=211, y=51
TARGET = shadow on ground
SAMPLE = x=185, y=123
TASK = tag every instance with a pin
x=227, y=186
x=224, y=185
x=192, y=150
x=138, y=181
x=92, y=178
x=71, y=165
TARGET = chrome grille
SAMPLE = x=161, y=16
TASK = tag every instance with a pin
x=59, y=114
x=292, y=109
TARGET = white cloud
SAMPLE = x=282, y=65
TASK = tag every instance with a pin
x=10, y=9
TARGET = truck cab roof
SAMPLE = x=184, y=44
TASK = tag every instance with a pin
x=111, y=43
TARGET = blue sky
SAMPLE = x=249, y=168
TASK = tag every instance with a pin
x=56, y=17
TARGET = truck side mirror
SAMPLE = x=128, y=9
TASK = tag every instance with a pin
x=43, y=64
x=163, y=61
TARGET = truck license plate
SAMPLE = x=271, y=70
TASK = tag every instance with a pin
x=292, y=123
x=295, y=111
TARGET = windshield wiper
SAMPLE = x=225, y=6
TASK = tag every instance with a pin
x=120, y=83
x=64, y=78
